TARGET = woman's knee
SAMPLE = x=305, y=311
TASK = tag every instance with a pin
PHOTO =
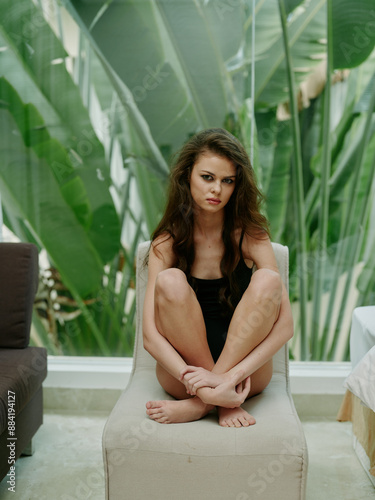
x=266, y=284
x=171, y=286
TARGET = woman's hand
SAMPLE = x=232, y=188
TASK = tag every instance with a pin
x=195, y=377
x=229, y=394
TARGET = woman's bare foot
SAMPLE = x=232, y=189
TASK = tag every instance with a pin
x=172, y=412
x=235, y=417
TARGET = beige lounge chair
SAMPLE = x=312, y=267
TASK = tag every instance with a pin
x=202, y=460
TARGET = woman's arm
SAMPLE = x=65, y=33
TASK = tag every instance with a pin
x=154, y=342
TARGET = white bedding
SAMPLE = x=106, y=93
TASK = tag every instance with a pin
x=361, y=381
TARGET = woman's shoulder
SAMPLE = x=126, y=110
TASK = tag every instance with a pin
x=257, y=248
x=162, y=248
x=250, y=237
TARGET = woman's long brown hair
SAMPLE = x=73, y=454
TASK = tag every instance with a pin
x=241, y=212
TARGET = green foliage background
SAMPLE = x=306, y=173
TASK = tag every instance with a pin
x=95, y=97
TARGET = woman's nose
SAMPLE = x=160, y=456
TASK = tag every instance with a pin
x=216, y=188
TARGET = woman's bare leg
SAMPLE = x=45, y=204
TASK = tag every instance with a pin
x=252, y=321
x=179, y=319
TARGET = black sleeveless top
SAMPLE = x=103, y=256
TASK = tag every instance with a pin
x=208, y=294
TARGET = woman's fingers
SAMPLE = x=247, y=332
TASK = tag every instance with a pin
x=187, y=370
x=243, y=388
x=198, y=384
x=195, y=378
x=191, y=377
x=194, y=384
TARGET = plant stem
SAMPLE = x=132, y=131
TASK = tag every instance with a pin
x=321, y=250
x=297, y=165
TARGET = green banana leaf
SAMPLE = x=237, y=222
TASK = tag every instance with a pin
x=305, y=33
x=353, y=34
x=31, y=192
x=201, y=62
x=353, y=40
x=36, y=136
x=279, y=185
x=33, y=64
x=143, y=66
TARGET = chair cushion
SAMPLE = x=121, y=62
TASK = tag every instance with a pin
x=19, y=283
x=22, y=371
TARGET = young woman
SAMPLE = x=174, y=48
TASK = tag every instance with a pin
x=211, y=322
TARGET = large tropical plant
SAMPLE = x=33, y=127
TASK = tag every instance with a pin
x=92, y=126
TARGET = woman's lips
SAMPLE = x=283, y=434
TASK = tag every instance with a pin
x=214, y=201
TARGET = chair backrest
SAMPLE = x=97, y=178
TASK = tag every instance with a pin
x=19, y=277
x=142, y=359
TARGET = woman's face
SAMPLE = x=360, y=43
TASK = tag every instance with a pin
x=212, y=182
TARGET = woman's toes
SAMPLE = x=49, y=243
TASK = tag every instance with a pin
x=251, y=420
x=162, y=419
x=244, y=422
x=235, y=417
x=154, y=409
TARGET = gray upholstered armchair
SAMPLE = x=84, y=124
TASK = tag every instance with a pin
x=22, y=368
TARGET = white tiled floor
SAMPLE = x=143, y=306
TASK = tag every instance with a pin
x=67, y=462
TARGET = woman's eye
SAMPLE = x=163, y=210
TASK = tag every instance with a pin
x=207, y=177
x=228, y=181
